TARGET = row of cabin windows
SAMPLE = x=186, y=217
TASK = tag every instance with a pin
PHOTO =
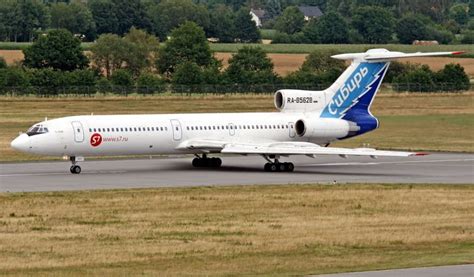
x=189, y=128
x=129, y=129
x=236, y=127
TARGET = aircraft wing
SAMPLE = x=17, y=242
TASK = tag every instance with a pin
x=287, y=149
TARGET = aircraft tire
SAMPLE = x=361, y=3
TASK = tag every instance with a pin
x=75, y=169
x=289, y=167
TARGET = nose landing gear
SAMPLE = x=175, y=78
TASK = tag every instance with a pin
x=75, y=169
x=204, y=161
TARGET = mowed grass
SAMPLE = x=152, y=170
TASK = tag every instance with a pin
x=341, y=48
x=437, y=122
x=236, y=230
x=298, y=48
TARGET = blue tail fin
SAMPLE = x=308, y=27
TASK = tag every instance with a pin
x=353, y=93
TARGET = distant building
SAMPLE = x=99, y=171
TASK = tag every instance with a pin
x=258, y=16
x=310, y=12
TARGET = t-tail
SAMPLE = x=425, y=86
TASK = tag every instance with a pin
x=352, y=94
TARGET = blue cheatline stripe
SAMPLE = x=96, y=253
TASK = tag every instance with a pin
x=357, y=91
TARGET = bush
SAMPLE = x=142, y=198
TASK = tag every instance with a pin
x=468, y=37
x=452, y=78
x=122, y=77
x=3, y=63
x=104, y=85
x=47, y=78
x=13, y=77
x=420, y=79
x=440, y=35
x=82, y=78
x=296, y=38
x=149, y=80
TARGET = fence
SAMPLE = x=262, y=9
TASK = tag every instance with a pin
x=89, y=91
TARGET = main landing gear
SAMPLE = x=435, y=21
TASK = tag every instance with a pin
x=204, y=161
x=276, y=166
x=75, y=169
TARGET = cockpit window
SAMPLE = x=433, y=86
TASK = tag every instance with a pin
x=36, y=130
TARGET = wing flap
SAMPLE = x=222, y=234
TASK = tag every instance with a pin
x=290, y=148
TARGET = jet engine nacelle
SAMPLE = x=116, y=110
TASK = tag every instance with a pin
x=325, y=128
x=291, y=100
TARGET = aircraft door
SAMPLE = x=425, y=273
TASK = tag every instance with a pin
x=231, y=129
x=291, y=129
x=78, y=131
x=176, y=126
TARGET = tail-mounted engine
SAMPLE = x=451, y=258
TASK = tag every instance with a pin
x=325, y=128
x=290, y=100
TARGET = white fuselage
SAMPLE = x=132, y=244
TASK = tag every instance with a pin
x=164, y=133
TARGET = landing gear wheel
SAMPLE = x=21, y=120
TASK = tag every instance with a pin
x=207, y=162
x=281, y=167
x=75, y=169
x=290, y=167
x=273, y=167
x=267, y=167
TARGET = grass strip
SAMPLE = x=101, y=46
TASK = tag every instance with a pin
x=236, y=230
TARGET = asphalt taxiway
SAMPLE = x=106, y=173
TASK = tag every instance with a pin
x=453, y=168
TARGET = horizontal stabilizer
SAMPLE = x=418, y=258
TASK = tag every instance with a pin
x=377, y=55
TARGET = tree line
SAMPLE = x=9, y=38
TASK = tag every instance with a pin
x=56, y=61
x=344, y=21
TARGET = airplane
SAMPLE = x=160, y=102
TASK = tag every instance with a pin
x=305, y=124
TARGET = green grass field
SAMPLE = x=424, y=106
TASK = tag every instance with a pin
x=236, y=230
x=430, y=122
x=342, y=48
x=300, y=48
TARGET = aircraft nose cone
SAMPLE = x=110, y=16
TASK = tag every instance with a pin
x=21, y=143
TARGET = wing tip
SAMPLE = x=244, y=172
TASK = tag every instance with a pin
x=458, y=52
x=420, y=154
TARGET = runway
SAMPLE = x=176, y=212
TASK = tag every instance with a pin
x=435, y=271
x=236, y=170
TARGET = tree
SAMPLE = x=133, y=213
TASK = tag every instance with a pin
x=20, y=20
x=375, y=24
x=188, y=43
x=104, y=16
x=169, y=14
x=246, y=30
x=291, y=21
x=142, y=52
x=459, y=13
x=131, y=13
x=273, y=8
x=188, y=73
x=59, y=50
x=319, y=62
x=108, y=53
x=411, y=28
x=222, y=24
x=75, y=17
x=329, y=28
x=13, y=77
x=250, y=65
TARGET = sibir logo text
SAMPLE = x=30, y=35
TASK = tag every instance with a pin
x=345, y=91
